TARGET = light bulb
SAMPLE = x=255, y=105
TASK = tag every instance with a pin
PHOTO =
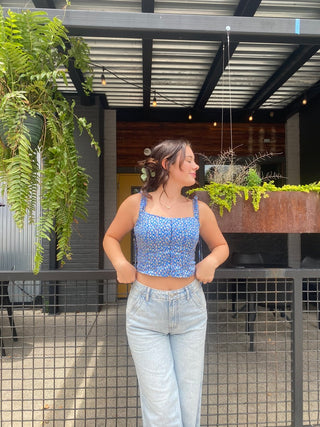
x=103, y=78
x=154, y=101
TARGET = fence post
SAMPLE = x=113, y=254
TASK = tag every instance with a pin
x=297, y=352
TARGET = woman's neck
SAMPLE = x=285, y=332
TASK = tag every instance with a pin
x=168, y=196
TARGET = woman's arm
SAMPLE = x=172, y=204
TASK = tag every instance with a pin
x=211, y=234
x=122, y=224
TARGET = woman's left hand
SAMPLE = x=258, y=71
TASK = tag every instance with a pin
x=205, y=271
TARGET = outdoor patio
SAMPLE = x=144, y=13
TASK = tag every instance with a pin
x=73, y=368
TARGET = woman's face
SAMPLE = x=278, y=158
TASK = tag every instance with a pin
x=184, y=173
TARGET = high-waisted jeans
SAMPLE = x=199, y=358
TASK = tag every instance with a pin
x=166, y=333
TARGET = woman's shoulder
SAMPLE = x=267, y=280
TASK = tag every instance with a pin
x=129, y=208
x=132, y=201
x=195, y=201
x=205, y=210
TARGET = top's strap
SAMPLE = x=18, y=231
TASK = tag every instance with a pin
x=196, y=207
x=143, y=203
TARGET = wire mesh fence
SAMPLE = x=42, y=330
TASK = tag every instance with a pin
x=249, y=353
x=65, y=359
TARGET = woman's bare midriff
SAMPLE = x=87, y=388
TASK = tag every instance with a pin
x=164, y=283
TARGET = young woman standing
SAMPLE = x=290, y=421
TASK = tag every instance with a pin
x=166, y=314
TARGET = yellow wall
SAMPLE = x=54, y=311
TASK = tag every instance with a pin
x=127, y=183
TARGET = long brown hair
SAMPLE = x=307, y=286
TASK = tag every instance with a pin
x=154, y=173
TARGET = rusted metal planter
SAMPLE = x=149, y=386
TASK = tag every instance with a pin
x=281, y=212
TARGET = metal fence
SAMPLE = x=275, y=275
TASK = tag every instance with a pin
x=65, y=359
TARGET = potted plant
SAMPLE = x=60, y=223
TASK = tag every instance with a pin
x=34, y=55
x=245, y=202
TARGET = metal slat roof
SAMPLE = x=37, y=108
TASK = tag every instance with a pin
x=178, y=70
x=247, y=71
x=181, y=67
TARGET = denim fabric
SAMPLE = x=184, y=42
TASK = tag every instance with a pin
x=166, y=333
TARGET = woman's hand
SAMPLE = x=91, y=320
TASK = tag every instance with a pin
x=126, y=272
x=216, y=243
x=205, y=270
x=121, y=225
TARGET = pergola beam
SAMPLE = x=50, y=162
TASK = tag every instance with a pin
x=78, y=79
x=147, y=6
x=299, y=57
x=244, y=8
x=310, y=94
x=74, y=73
x=187, y=27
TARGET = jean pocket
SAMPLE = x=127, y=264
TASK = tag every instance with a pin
x=134, y=302
x=199, y=299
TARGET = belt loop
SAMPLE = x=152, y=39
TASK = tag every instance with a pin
x=148, y=294
x=187, y=293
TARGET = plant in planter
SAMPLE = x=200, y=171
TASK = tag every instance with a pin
x=34, y=54
x=234, y=185
x=228, y=179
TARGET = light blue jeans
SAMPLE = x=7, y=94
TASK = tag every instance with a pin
x=166, y=333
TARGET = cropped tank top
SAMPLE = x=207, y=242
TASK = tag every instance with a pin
x=165, y=247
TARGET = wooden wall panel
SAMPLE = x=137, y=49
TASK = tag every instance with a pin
x=247, y=138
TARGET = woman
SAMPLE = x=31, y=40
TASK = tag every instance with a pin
x=166, y=309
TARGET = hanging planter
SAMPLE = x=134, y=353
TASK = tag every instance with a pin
x=33, y=125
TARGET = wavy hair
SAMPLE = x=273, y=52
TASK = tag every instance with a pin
x=154, y=173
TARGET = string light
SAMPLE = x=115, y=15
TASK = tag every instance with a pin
x=154, y=101
x=141, y=87
x=215, y=124
x=103, y=78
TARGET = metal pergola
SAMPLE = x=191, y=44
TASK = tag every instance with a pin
x=186, y=57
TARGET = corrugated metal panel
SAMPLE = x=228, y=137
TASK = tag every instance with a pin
x=249, y=68
x=14, y=3
x=289, y=9
x=16, y=246
x=123, y=57
x=179, y=69
x=111, y=5
x=17, y=251
x=203, y=7
x=305, y=77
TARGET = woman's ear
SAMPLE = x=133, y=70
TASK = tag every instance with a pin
x=164, y=163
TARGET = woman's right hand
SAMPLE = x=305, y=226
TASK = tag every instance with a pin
x=126, y=272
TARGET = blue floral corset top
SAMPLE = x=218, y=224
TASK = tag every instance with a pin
x=166, y=246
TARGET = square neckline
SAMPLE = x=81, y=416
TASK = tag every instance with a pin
x=195, y=206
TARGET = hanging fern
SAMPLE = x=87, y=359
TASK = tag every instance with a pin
x=34, y=54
